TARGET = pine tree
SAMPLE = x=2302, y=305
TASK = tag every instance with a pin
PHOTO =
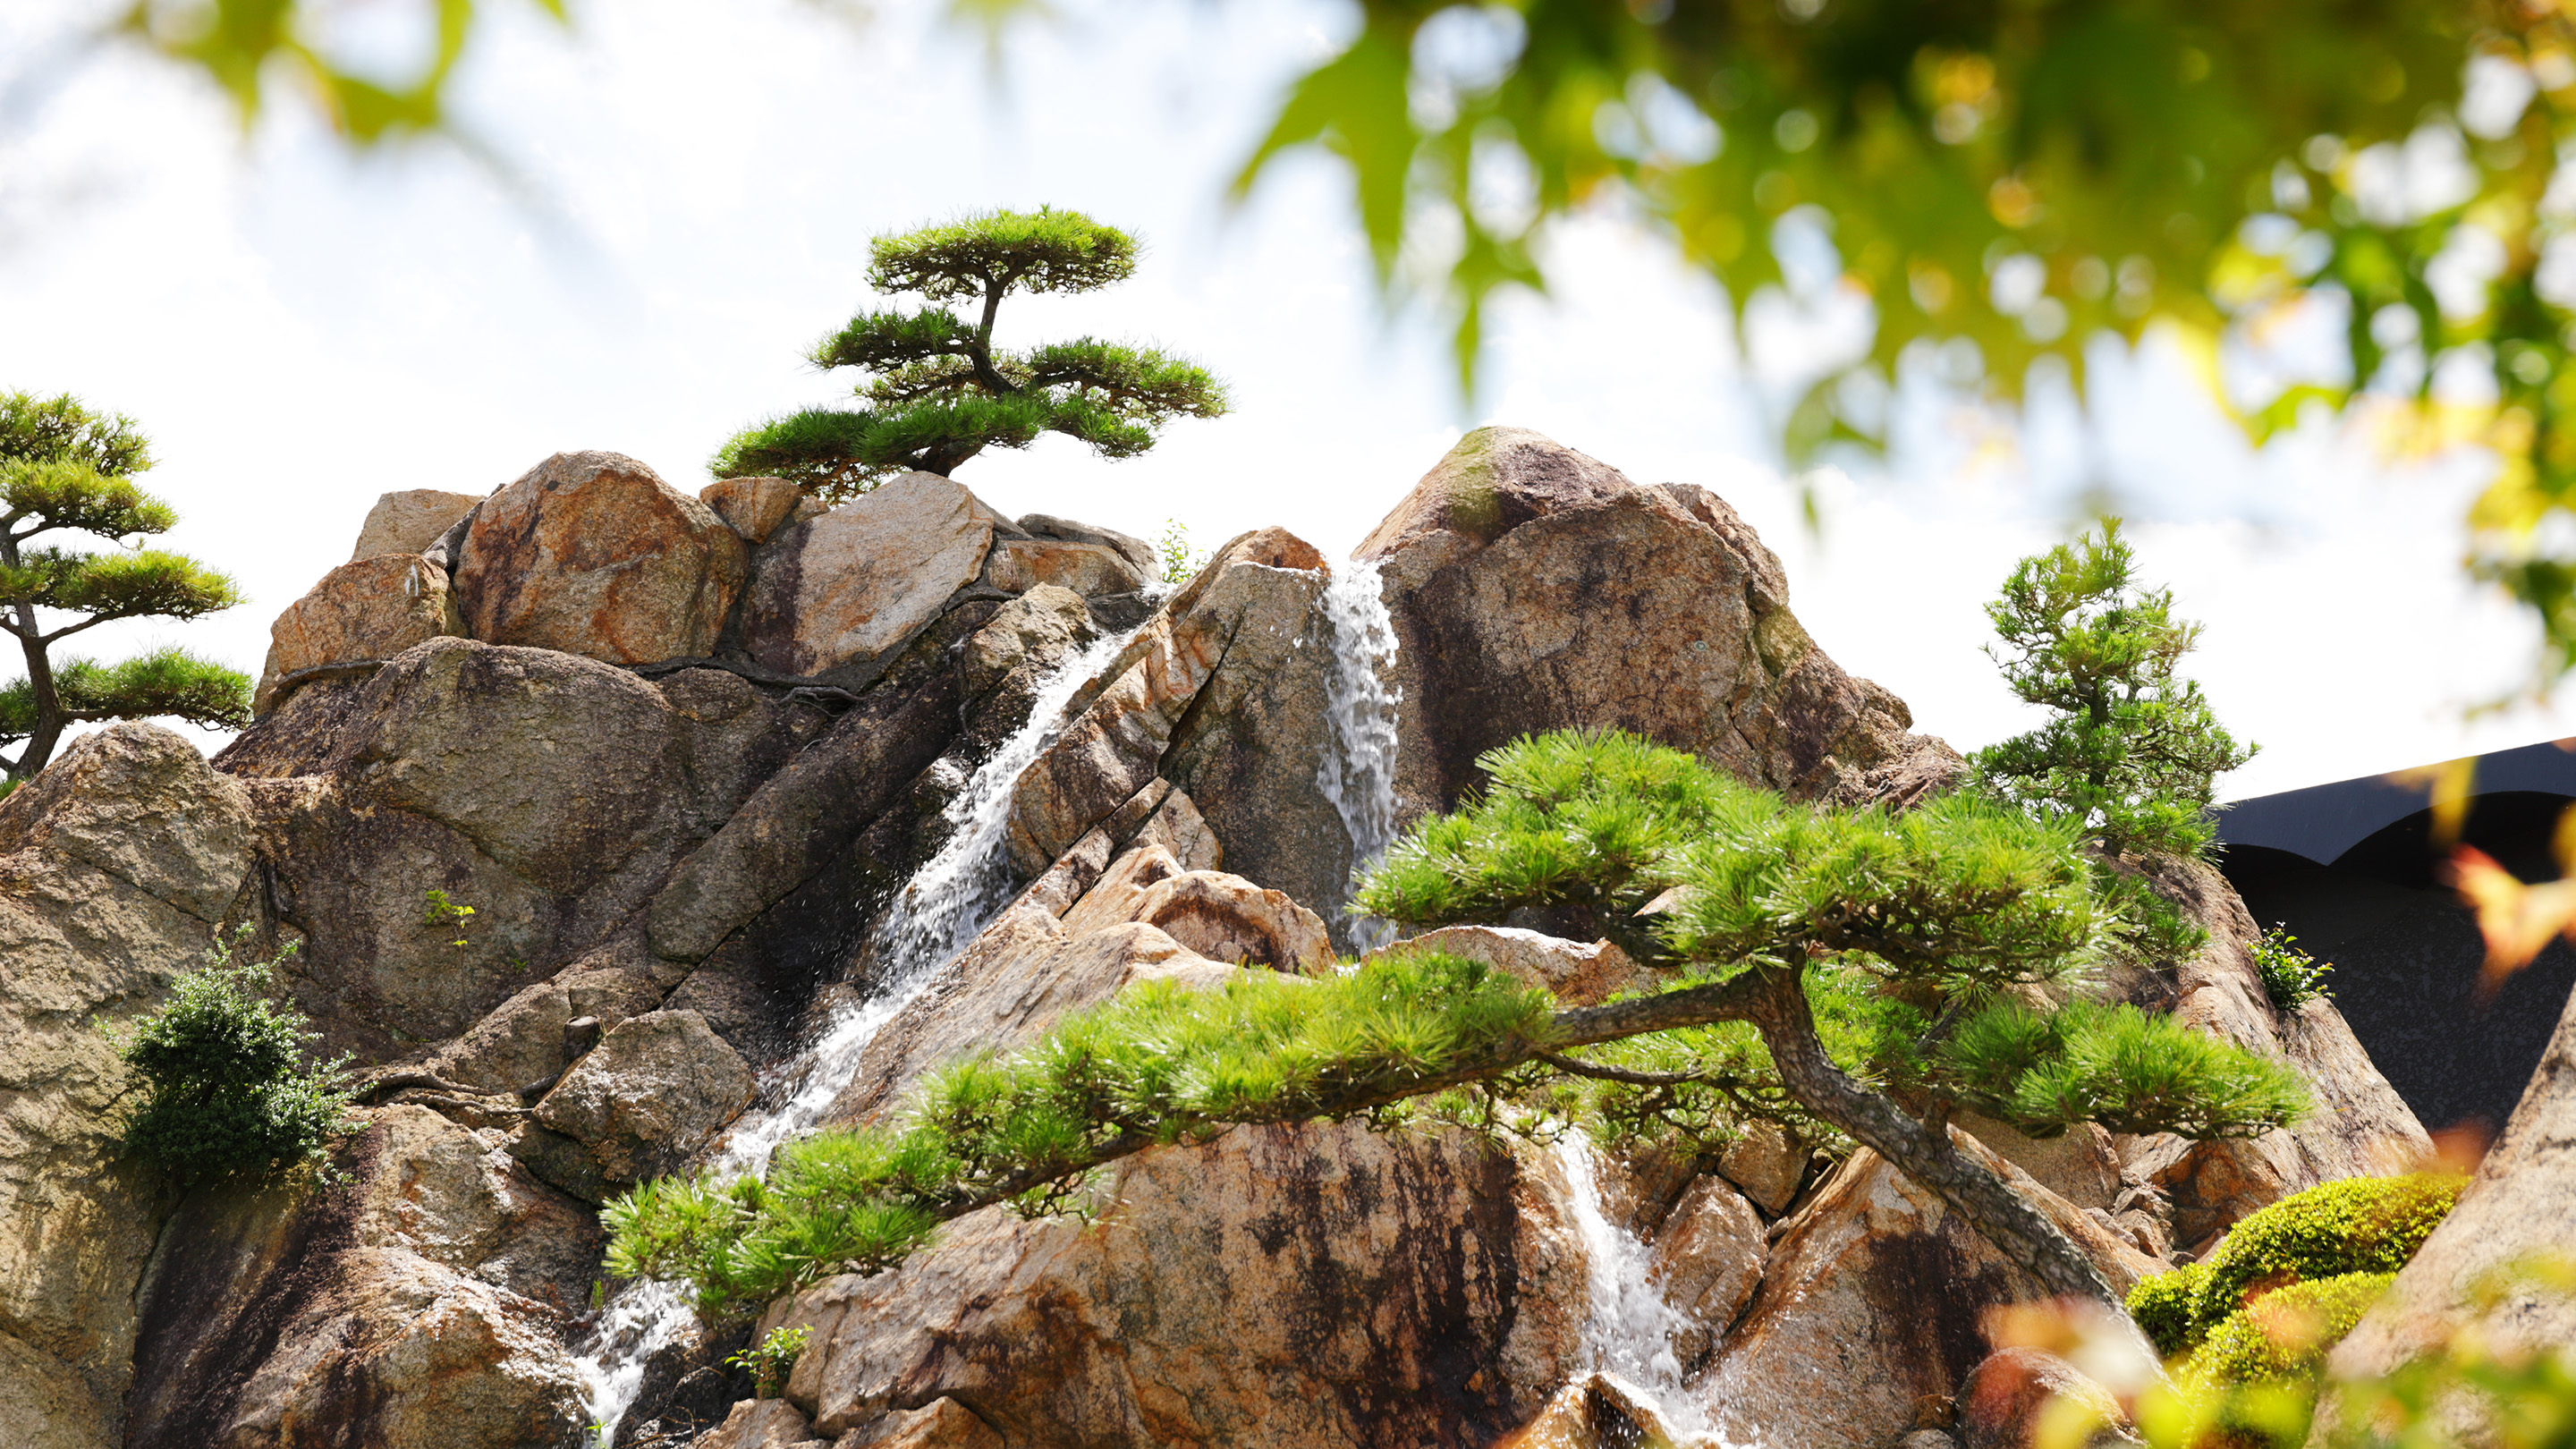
x=938, y=389
x=1856, y=974
x=64, y=467
x=2132, y=751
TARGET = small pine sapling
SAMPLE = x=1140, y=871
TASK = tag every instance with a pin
x=2131, y=751
x=229, y=1085
x=64, y=467
x=1846, y=972
x=939, y=391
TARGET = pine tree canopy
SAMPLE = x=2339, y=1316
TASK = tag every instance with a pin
x=1854, y=974
x=940, y=392
x=64, y=467
x=2132, y=752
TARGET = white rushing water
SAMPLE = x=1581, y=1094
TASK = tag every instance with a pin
x=1357, y=772
x=1629, y=1330
x=951, y=898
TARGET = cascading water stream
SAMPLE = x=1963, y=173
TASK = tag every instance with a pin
x=1629, y=1329
x=952, y=897
x=1357, y=772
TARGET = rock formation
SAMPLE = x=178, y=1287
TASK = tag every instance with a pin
x=684, y=756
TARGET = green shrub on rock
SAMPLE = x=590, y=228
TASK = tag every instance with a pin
x=2162, y=1304
x=2360, y=1225
x=2286, y=1334
x=228, y=1087
x=2357, y=1225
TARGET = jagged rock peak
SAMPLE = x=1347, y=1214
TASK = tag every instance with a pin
x=1534, y=588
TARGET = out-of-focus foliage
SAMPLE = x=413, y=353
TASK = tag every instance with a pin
x=248, y=46
x=2255, y=1383
x=2002, y=181
x=2018, y=179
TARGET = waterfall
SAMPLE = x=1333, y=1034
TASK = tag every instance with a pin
x=1357, y=772
x=951, y=898
x=1629, y=1328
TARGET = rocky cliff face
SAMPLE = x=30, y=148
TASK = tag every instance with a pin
x=715, y=772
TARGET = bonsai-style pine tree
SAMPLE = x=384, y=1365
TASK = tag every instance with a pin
x=66, y=468
x=939, y=392
x=2131, y=751
x=1855, y=974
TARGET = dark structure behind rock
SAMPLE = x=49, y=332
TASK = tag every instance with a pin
x=2348, y=867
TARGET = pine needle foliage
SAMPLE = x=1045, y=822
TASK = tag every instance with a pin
x=229, y=1085
x=67, y=468
x=1158, y=1064
x=1819, y=967
x=938, y=391
x=2132, y=751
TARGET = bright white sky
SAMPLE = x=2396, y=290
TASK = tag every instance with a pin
x=300, y=332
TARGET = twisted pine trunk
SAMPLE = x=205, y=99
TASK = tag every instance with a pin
x=2016, y=1227
x=46, y=729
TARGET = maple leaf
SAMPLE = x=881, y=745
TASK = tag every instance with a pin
x=2516, y=919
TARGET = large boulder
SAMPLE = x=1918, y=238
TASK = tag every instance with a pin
x=116, y=864
x=368, y=610
x=1875, y=1299
x=410, y=521
x=593, y=554
x=1020, y=564
x=849, y=587
x=1533, y=588
x=1134, y=550
x=417, y=1301
x=1278, y=1287
x=548, y=792
x=656, y=1088
x=2518, y=1207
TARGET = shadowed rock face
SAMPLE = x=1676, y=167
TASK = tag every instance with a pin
x=1533, y=588
x=418, y=1304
